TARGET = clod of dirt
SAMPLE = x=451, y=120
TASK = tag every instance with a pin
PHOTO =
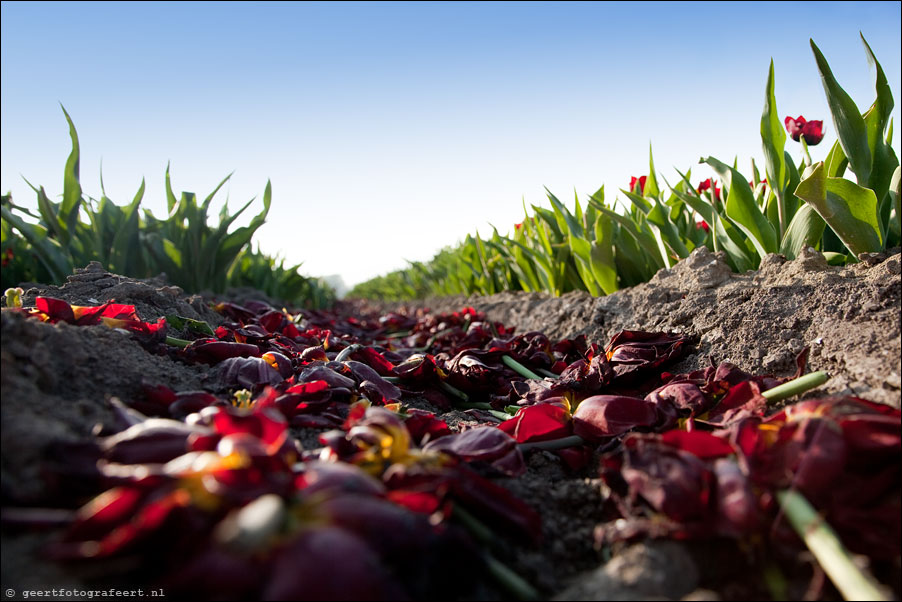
x=655, y=570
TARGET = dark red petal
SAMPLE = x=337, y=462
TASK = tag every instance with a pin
x=540, y=422
x=329, y=563
x=483, y=444
x=813, y=132
x=698, y=443
x=602, y=416
x=55, y=309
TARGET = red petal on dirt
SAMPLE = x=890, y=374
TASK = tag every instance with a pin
x=741, y=400
x=602, y=416
x=105, y=512
x=699, y=443
x=309, y=388
x=213, y=352
x=267, y=426
x=55, y=309
x=483, y=444
x=423, y=502
x=374, y=360
x=329, y=563
x=425, y=427
x=540, y=422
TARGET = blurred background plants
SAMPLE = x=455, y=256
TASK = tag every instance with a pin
x=598, y=247
x=46, y=246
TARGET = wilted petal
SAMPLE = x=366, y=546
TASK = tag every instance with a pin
x=737, y=508
x=424, y=426
x=247, y=372
x=539, y=422
x=483, y=444
x=213, y=352
x=602, y=416
x=633, y=352
x=329, y=563
x=674, y=482
x=335, y=478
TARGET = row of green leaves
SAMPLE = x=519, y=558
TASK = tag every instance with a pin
x=598, y=249
x=48, y=245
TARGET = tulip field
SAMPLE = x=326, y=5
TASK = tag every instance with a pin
x=780, y=207
x=245, y=435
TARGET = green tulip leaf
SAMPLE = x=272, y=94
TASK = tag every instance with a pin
x=850, y=210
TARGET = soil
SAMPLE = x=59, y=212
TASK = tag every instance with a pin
x=57, y=380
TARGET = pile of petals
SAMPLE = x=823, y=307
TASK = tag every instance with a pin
x=841, y=454
x=212, y=489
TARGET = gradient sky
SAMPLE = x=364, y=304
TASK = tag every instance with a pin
x=390, y=130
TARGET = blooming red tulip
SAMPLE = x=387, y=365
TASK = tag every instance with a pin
x=640, y=181
x=813, y=131
x=707, y=185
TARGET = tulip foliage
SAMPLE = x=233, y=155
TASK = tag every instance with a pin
x=599, y=247
x=46, y=246
x=215, y=493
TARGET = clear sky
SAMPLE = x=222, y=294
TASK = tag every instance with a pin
x=390, y=130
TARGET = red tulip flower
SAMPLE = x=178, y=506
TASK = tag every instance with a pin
x=641, y=182
x=812, y=130
x=707, y=185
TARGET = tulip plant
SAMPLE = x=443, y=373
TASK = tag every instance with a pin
x=46, y=246
x=791, y=205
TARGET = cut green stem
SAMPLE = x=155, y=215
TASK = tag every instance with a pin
x=520, y=368
x=516, y=585
x=398, y=335
x=473, y=405
x=571, y=441
x=453, y=391
x=345, y=354
x=823, y=542
x=177, y=342
x=796, y=387
x=547, y=373
x=513, y=583
x=476, y=527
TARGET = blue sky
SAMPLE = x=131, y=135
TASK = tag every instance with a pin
x=390, y=130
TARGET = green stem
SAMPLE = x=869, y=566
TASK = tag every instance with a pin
x=345, y=354
x=807, y=155
x=500, y=415
x=823, y=542
x=774, y=581
x=177, y=342
x=473, y=405
x=547, y=373
x=515, y=585
x=519, y=368
x=571, y=441
x=795, y=387
x=398, y=335
x=476, y=527
x=453, y=391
